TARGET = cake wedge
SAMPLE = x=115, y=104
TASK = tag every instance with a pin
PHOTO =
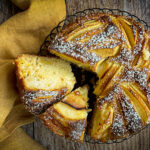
x=66, y=118
x=42, y=81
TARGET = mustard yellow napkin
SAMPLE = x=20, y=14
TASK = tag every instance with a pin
x=22, y=33
x=19, y=140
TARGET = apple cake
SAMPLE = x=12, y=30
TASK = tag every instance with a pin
x=117, y=50
x=113, y=48
x=68, y=117
x=42, y=81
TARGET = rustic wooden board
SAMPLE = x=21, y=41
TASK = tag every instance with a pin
x=37, y=130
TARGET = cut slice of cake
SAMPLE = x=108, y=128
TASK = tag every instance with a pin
x=43, y=81
x=68, y=118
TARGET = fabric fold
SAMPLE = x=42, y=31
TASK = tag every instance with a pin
x=16, y=118
x=8, y=92
x=23, y=33
x=20, y=141
x=22, y=4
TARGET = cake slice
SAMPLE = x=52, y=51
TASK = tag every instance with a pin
x=42, y=81
x=68, y=118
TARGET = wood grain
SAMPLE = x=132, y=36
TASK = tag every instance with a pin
x=37, y=130
x=140, y=8
x=7, y=9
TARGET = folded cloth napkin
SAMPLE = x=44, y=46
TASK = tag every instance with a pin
x=22, y=33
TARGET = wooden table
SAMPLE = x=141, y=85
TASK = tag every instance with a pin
x=37, y=130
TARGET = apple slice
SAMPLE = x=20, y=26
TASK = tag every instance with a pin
x=113, y=80
x=128, y=33
x=138, y=103
x=103, y=67
x=68, y=112
x=146, y=50
x=125, y=26
x=105, y=79
x=82, y=30
x=78, y=98
x=101, y=122
x=107, y=52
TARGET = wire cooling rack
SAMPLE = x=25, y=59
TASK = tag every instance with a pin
x=43, y=50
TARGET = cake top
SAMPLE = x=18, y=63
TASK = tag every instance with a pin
x=117, y=49
x=99, y=38
x=88, y=37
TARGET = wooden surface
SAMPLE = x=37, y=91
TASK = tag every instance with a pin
x=37, y=130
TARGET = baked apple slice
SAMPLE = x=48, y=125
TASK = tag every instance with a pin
x=126, y=28
x=68, y=118
x=101, y=122
x=78, y=98
x=109, y=74
x=140, y=105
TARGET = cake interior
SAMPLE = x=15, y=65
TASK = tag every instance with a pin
x=45, y=73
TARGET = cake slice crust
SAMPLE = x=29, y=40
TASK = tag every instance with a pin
x=42, y=81
x=65, y=118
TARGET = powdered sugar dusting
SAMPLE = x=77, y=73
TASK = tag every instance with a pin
x=110, y=37
x=77, y=129
x=44, y=99
x=118, y=127
x=132, y=118
x=136, y=75
x=125, y=57
x=139, y=76
x=126, y=120
x=110, y=97
x=78, y=52
x=72, y=129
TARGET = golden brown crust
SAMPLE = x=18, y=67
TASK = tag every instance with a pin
x=71, y=129
x=117, y=49
x=122, y=66
x=37, y=101
x=68, y=118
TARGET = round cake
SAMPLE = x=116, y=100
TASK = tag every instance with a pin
x=117, y=49
x=111, y=54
